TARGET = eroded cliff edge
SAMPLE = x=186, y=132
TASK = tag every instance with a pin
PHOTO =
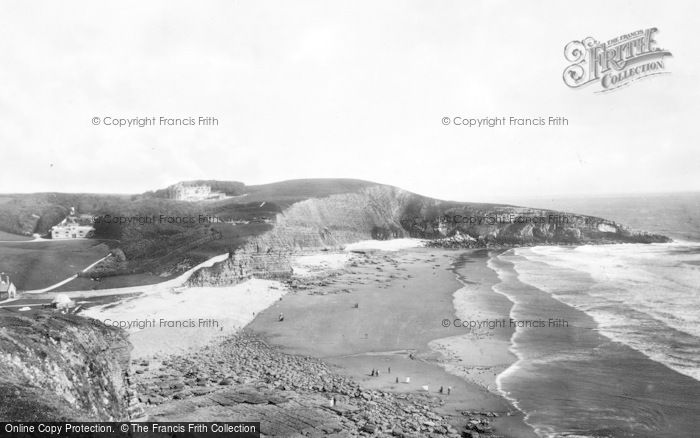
x=385, y=212
x=260, y=226
x=56, y=367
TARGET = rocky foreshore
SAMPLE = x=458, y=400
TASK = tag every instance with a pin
x=465, y=241
x=243, y=378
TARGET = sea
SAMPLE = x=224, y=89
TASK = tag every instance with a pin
x=627, y=361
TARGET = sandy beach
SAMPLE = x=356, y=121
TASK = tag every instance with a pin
x=479, y=354
x=394, y=310
x=385, y=311
x=184, y=319
x=380, y=332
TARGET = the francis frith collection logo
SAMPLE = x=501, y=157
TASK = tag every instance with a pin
x=614, y=63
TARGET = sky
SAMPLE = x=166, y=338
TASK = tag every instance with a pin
x=326, y=89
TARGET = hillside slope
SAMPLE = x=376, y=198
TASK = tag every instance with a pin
x=384, y=212
x=263, y=224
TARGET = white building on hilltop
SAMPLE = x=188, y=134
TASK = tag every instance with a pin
x=196, y=193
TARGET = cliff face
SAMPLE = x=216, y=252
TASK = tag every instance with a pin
x=384, y=212
x=57, y=367
x=517, y=226
x=309, y=214
x=309, y=225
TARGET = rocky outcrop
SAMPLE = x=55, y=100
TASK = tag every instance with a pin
x=311, y=225
x=385, y=212
x=62, y=367
x=251, y=261
x=518, y=226
x=244, y=378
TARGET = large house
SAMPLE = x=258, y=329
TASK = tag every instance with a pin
x=194, y=193
x=73, y=227
x=7, y=289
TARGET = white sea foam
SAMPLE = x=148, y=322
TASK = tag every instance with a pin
x=644, y=296
x=508, y=277
x=515, y=366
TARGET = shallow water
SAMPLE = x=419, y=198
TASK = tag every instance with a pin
x=627, y=363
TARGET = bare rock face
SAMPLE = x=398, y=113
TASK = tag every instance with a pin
x=253, y=260
x=384, y=212
x=310, y=225
x=62, y=367
x=494, y=226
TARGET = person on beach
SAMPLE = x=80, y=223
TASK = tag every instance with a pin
x=389, y=370
x=449, y=390
x=441, y=390
x=281, y=317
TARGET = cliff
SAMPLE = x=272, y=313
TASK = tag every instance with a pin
x=56, y=367
x=262, y=225
x=385, y=212
x=518, y=226
x=309, y=225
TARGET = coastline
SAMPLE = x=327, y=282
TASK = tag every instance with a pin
x=398, y=326
x=346, y=313
x=481, y=354
x=569, y=378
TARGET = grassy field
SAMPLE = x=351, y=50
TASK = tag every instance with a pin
x=162, y=268
x=14, y=237
x=154, y=252
x=117, y=281
x=45, y=300
x=37, y=265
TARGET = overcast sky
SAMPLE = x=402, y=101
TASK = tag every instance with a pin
x=353, y=89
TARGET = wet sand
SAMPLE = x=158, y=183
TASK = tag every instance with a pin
x=402, y=299
x=480, y=353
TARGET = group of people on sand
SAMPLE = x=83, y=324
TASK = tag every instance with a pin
x=375, y=373
x=442, y=390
